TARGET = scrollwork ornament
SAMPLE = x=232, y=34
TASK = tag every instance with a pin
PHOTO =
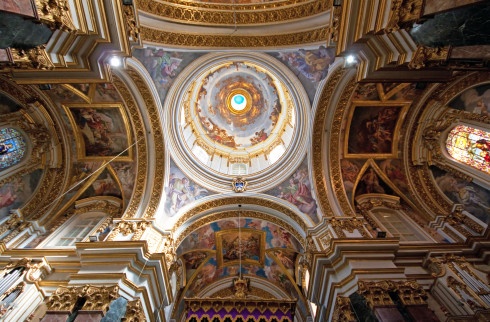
x=34, y=58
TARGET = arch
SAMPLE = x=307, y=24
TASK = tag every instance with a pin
x=13, y=147
x=470, y=146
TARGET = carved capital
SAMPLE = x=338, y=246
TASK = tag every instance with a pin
x=97, y=298
x=410, y=292
x=126, y=227
x=376, y=293
x=349, y=224
x=56, y=14
x=402, y=13
x=343, y=310
x=428, y=57
x=134, y=312
x=35, y=58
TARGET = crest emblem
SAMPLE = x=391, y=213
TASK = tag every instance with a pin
x=239, y=184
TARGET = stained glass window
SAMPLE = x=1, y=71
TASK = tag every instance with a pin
x=12, y=147
x=470, y=146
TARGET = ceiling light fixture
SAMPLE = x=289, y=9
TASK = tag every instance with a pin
x=350, y=59
x=115, y=61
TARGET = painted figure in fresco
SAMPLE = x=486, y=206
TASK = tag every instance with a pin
x=250, y=248
x=474, y=198
x=298, y=193
x=313, y=64
x=260, y=136
x=394, y=173
x=376, y=133
x=349, y=174
x=371, y=182
x=99, y=133
x=181, y=192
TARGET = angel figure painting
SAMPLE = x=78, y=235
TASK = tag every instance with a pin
x=102, y=131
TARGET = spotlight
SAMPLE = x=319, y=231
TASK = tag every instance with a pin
x=380, y=233
x=350, y=59
x=93, y=238
x=115, y=61
x=337, y=3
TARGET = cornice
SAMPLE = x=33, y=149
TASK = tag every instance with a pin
x=228, y=14
x=163, y=37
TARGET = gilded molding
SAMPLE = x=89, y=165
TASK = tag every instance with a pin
x=234, y=214
x=403, y=12
x=429, y=57
x=317, y=135
x=134, y=312
x=132, y=28
x=226, y=6
x=221, y=41
x=159, y=148
x=216, y=14
x=335, y=149
x=56, y=14
x=141, y=147
x=458, y=220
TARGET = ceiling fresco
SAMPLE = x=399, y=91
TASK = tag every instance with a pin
x=238, y=128
x=371, y=162
x=267, y=251
x=97, y=118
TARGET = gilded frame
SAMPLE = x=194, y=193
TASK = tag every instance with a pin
x=394, y=152
x=80, y=143
x=218, y=236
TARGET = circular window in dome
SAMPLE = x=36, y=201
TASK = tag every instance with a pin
x=237, y=112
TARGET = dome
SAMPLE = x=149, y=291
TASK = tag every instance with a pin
x=235, y=115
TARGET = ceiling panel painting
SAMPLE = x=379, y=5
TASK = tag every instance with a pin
x=311, y=66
